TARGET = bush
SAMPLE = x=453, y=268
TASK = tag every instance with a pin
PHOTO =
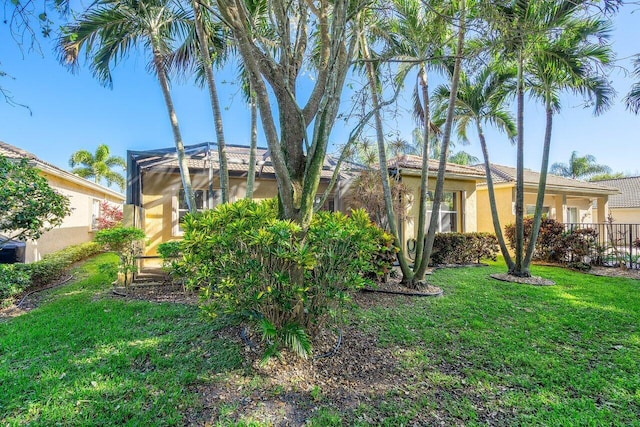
x=463, y=248
x=127, y=242
x=269, y=272
x=17, y=278
x=549, y=246
x=555, y=244
x=12, y=281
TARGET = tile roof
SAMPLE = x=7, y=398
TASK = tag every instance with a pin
x=237, y=160
x=502, y=174
x=408, y=161
x=11, y=152
x=630, y=188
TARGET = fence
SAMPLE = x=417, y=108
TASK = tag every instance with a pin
x=616, y=244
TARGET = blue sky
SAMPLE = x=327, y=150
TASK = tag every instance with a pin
x=73, y=111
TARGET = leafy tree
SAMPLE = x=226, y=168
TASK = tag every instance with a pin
x=98, y=166
x=128, y=243
x=580, y=167
x=110, y=29
x=29, y=205
x=110, y=215
x=298, y=37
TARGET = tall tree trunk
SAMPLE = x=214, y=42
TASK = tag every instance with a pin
x=407, y=273
x=517, y=269
x=182, y=160
x=215, y=103
x=492, y=199
x=253, y=154
x=542, y=184
x=424, y=176
x=446, y=138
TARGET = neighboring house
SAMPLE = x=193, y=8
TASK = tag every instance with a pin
x=624, y=207
x=85, y=197
x=459, y=205
x=155, y=197
x=566, y=200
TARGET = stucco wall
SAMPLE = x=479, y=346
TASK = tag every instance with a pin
x=76, y=228
x=625, y=215
x=557, y=204
x=466, y=204
x=159, y=201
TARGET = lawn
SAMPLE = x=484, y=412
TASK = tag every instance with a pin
x=488, y=352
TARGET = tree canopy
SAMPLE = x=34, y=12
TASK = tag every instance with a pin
x=29, y=205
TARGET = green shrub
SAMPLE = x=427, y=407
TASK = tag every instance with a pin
x=463, y=248
x=17, y=278
x=171, y=254
x=128, y=243
x=53, y=266
x=269, y=272
x=12, y=281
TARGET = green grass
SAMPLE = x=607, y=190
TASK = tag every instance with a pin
x=562, y=355
x=84, y=359
x=488, y=352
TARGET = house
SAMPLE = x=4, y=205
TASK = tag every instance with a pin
x=566, y=200
x=624, y=207
x=85, y=198
x=155, y=197
x=459, y=205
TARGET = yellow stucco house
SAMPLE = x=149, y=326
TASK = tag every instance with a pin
x=155, y=197
x=85, y=198
x=566, y=200
x=625, y=207
x=459, y=206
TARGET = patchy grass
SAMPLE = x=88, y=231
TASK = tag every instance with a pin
x=81, y=358
x=504, y=353
x=488, y=352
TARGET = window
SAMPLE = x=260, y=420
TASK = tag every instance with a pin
x=448, y=212
x=202, y=202
x=572, y=215
x=95, y=214
x=329, y=204
x=531, y=210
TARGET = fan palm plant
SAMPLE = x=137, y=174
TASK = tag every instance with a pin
x=98, y=166
x=110, y=29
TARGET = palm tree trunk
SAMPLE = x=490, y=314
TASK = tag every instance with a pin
x=446, y=138
x=492, y=199
x=251, y=173
x=215, y=104
x=182, y=161
x=517, y=269
x=424, y=176
x=407, y=274
x=537, y=217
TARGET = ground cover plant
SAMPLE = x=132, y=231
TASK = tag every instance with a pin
x=488, y=352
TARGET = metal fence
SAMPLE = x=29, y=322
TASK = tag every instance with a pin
x=616, y=244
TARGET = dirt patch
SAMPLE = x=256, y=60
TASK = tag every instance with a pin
x=533, y=280
x=615, y=272
x=157, y=292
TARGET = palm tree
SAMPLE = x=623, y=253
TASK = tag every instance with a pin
x=574, y=66
x=206, y=47
x=110, y=29
x=525, y=30
x=632, y=100
x=580, y=167
x=98, y=166
x=481, y=100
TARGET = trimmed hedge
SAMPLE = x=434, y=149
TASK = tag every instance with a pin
x=17, y=278
x=463, y=248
